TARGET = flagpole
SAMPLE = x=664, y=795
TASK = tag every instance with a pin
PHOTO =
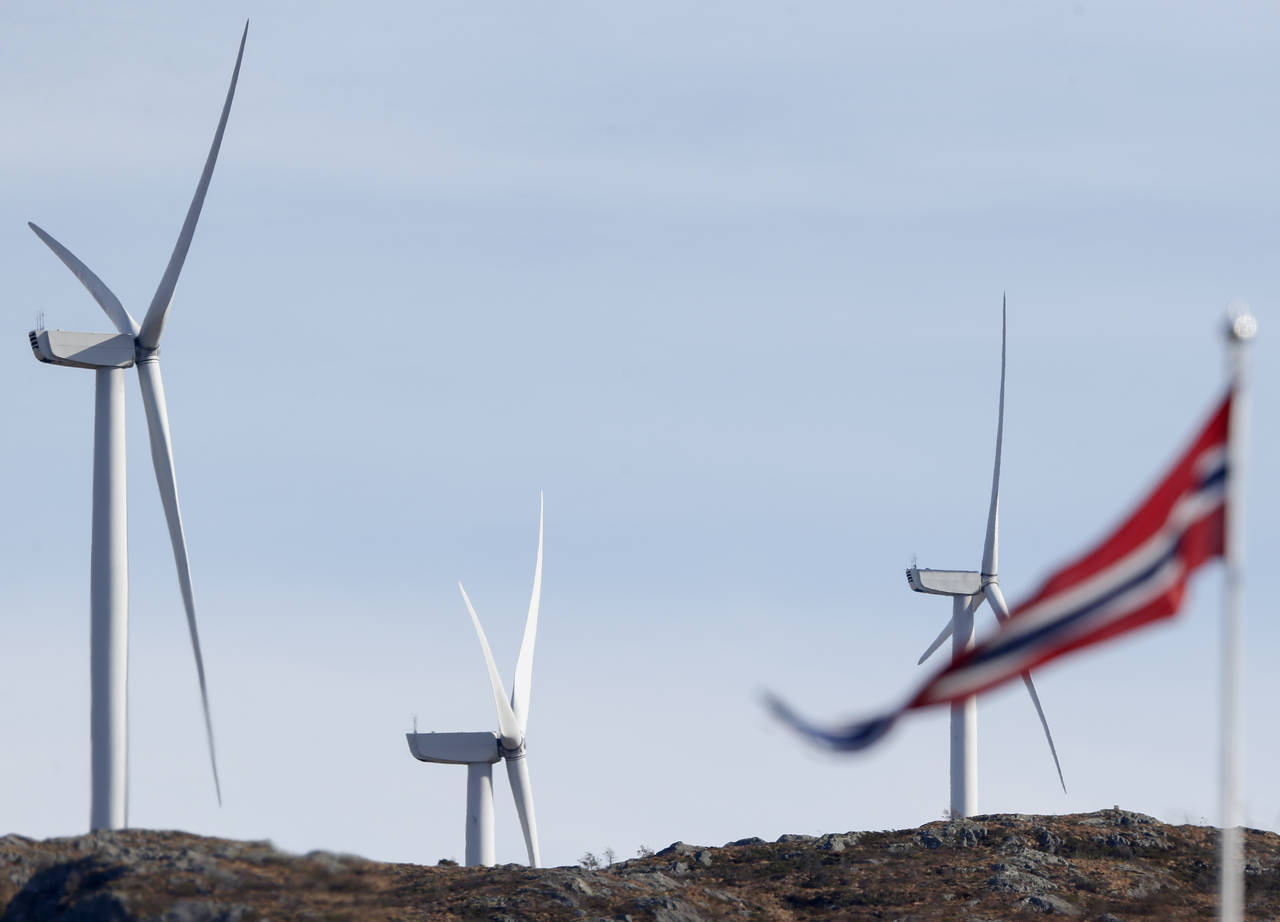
x=1241, y=328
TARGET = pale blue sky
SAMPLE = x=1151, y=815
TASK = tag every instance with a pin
x=725, y=283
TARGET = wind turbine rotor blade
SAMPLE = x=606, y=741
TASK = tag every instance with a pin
x=998, y=605
x=105, y=297
x=518, y=775
x=1053, y=750
x=153, y=402
x=937, y=642
x=508, y=725
x=524, y=664
x=1001, y=608
x=991, y=549
x=153, y=322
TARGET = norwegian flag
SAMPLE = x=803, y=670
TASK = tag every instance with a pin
x=1136, y=576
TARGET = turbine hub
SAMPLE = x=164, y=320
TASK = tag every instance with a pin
x=143, y=354
x=508, y=752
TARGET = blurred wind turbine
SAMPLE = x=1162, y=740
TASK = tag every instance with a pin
x=968, y=590
x=478, y=751
x=109, y=355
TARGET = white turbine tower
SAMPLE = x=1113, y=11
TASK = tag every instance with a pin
x=109, y=355
x=478, y=751
x=968, y=589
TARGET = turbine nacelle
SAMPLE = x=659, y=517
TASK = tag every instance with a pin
x=944, y=582
x=83, y=350
x=455, y=748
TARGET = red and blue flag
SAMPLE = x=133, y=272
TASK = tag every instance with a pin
x=1136, y=576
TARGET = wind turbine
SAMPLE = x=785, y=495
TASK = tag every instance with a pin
x=968, y=589
x=109, y=355
x=479, y=751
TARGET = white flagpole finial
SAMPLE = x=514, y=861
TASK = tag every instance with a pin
x=1242, y=326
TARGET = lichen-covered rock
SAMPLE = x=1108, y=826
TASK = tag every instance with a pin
x=665, y=909
x=952, y=834
x=837, y=842
x=1048, y=903
x=1048, y=840
x=793, y=837
x=1013, y=880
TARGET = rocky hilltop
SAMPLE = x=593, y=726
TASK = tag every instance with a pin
x=1110, y=866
